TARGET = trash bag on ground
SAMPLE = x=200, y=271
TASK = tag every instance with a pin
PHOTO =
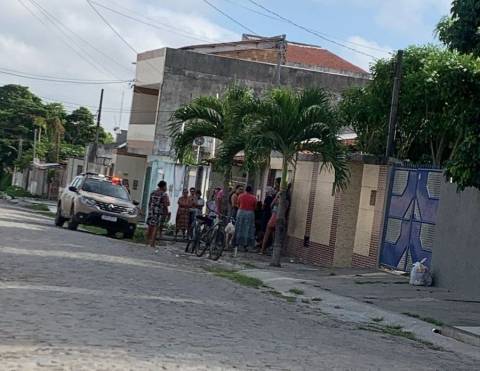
x=420, y=274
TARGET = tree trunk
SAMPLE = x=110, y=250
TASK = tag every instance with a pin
x=226, y=184
x=281, y=222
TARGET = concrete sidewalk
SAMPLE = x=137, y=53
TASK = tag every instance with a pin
x=28, y=202
x=368, y=297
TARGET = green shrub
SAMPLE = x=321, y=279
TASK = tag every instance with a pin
x=5, y=181
x=14, y=191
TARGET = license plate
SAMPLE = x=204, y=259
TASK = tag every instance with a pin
x=109, y=218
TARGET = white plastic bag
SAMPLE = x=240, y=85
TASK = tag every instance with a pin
x=420, y=274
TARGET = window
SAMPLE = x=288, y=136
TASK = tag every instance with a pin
x=105, y=188
x=76, y=182
x=373, y=198
x=135, y=184
x=79, y=169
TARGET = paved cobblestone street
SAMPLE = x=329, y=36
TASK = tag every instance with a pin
x=74, y=300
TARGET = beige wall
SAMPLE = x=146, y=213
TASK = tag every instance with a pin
x=323, y=208
x=300, y=197
x=343, y=228
x=73, y=166
x=132, y=168
x=150, y=67
x=141, y=128
x=348, y=203
x=366, y=212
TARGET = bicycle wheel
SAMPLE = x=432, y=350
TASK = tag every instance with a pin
x=200, y=247
x=193, y=232
x=189, y=246
x=217, y=243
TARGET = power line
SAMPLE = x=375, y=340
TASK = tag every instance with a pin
x=29, y=76
x=165, y=26
x=105, y=109
x=311, y=29
x=111, y=27
x=253, y=10
x=65, y=41
x=61, y=28
x=89, y=2
x=229, y=17
x=315, y=33
x=105, y=55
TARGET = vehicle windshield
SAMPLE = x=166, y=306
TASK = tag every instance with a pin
x=105, y=188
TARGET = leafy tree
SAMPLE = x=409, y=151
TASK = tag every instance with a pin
x=21, y=112
x=289, y=122
x=365, y=112
x=436, y=105
x=18, y=109
x=224, y=118
x=80, y=128
x=460, y=30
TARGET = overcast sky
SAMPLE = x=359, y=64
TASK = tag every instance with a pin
x=31, y=43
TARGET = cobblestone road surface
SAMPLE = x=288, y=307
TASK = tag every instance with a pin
x=77, y=301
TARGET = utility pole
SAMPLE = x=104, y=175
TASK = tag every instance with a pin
x=99, y=116
x=20, y=148
x=121, y=110
x=280, y=57
x=34, y=144
x=392, y=123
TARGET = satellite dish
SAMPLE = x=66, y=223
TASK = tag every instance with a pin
x=199, y=141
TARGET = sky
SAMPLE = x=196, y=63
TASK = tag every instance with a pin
x=68, y=39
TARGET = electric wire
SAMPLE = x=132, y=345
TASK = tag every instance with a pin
x=109, y=25
x=315, y=33
x=64, y=39
x=56, y=79
x=162, y=27
x=311, y=29
x=105, y=55
x=229, y=17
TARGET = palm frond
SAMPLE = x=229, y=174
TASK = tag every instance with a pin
x=289, y=121
x=182, y=142
x=333, y=157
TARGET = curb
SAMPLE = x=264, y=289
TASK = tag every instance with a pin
x=348, y=309
x=461, y=335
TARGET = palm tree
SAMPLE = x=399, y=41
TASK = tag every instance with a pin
x=224, y=119
x=290, y=122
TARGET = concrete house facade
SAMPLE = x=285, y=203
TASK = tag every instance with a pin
x=168, y=78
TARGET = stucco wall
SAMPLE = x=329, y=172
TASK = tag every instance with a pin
x=132, y=168
x=363, y=233
x=189, y=75
x=141, y=128
x=456, y=253
x=298, y=216
x=322, y=208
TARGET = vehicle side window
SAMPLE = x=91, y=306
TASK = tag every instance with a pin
x=76, y=182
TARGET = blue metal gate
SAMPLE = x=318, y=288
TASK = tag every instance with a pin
x=409, y=226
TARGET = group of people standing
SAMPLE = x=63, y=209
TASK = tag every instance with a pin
x=189, y=206
x=255, y=220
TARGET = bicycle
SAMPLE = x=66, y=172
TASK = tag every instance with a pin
x=216, y=243
x=200, y=229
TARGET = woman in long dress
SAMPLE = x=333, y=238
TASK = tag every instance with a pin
x=183, y=213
